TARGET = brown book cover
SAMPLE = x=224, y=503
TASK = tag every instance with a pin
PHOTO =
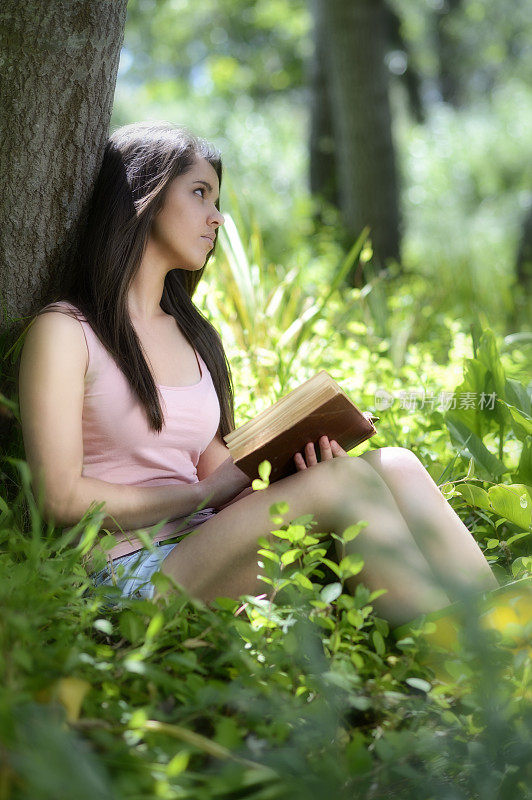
x=319, y=407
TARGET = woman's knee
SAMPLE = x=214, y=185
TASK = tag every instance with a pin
x=339, y=478
x=390, y=458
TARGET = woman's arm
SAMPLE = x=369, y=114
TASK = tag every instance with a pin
x=51, y=390
x=212, y=457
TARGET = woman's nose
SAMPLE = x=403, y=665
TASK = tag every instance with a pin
x=218, y=218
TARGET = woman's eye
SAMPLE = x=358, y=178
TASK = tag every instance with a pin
x=200, y=189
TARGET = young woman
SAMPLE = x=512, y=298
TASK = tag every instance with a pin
x=126, y=393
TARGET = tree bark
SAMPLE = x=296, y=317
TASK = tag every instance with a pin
x=323, y=178
x=449, y=55
x=524, y=255
x=60, y=62
x=355, y=38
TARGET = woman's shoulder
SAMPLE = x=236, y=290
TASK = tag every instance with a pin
x=51, y=332
x=63, y=308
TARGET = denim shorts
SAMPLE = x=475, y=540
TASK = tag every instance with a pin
x=131, y=573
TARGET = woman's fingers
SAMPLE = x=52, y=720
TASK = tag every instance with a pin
x=310, y=455
x=328, y=450
x=337, y=450
x=300, y=462
x=325, y=449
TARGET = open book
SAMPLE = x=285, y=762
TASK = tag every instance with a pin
x=319, y=407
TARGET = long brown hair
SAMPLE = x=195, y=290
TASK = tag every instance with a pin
x=139, y=162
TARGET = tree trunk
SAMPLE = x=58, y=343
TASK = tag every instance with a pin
x=60, y=61
x=524, y=256
x=355, y=43
x=449, y=55
x=323, y=178
x=59, y=67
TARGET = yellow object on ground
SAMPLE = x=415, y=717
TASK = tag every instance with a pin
x=507, y=610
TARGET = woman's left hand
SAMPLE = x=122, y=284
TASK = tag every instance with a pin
x=328, y=451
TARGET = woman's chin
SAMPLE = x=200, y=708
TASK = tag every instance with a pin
x=190, y=267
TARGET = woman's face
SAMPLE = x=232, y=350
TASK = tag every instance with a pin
x=184, y=230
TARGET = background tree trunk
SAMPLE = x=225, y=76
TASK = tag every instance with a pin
x=524, y=255
x=355, y=35
x=323, y=177
x=60, y=61
x=448, y=53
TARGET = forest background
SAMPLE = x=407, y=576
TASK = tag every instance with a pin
x=378, y=194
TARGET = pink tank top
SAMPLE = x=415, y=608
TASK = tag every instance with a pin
x=119, y=446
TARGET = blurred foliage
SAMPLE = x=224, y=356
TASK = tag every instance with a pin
x=491, y=42
x=218, y=47
x=237, y=73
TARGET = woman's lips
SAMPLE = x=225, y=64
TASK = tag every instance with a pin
x=209, y=240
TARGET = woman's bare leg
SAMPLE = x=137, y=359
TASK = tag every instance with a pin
x=220, y=559
x=448, y=546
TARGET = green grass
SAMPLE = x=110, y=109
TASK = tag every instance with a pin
x=309, y=694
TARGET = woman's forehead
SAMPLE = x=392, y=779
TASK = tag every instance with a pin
x=205, y=173
x=201, y=168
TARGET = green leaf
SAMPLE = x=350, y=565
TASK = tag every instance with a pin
x=178, y=764
x=355, y=618
x=513, y=502
x=138, y=718
x=304, y=519
x=523, y=423
x=378, y=643
x=351, y=564
x=474, y=495
x=103, y=625
x=488, y=354
x=290, y=556
x=131, y=626
x=107, y=542
x=382, y=626
x=516, y=537
x=303, y=580
x=516, y=395
x=332, y=565
x=265, y=469
x=226, y=603
x=278, y=509
x=448, y=490
x=357, y=659
x=269, y=554
x=352, y=531
x=155, y=626
x=377, y=593
x=474, y=446
x=419, y=683
x=524, y=470
x=331, y=592
x=161, y=582
x=325, y=622
x=296, y=532
x=281, y=534
x=522, y=566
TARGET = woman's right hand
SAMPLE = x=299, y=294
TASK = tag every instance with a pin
x=329, y=449
x=225, y=483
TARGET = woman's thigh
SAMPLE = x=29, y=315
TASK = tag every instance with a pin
x=220, y=558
